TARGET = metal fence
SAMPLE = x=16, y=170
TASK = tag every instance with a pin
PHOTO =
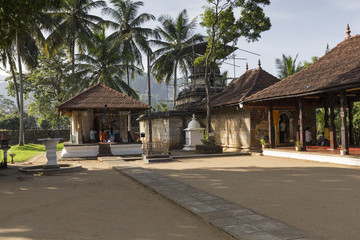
x=156, y=148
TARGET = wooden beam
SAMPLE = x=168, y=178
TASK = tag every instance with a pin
x=271, y=126
x=344, y=130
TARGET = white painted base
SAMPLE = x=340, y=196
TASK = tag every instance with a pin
x=126, y=149
x=189, y=148
x=80, y=151
x=338, y=159
x=50, y=146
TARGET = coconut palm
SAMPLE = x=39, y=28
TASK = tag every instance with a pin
x=102, y=63
x=129, y=32
x=74, y=26
x=176, y=35
x=287, y=66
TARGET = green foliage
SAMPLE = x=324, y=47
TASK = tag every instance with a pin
x=176, y=35
x=49, y=86
x=103, y=62
x=160, y=107
x=287, y=66
x=15, y=14
x=208, y=140
x=7, y=106
x=223, y=27
x=129, y=33
x=9, y=121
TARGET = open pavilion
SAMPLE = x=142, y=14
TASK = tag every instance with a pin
x=333, y=81
x=100, y=108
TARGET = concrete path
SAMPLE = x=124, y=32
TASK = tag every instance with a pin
x=237, y=221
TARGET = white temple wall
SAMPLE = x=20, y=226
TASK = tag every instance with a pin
x=232, y=127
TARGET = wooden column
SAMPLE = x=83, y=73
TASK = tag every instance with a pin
x=297, y=124
x=326, y=114
x=333, y=144
x=271, y=126
x=344, y=130
x=301, y=124
x=351, y=116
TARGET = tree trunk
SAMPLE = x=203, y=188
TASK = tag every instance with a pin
x=14, y=78
x=175, y=83
x=22, y=130
x=149, y=97
x=128, y=83
x=72, y=56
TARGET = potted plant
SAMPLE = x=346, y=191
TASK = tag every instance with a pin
x=264, y=144
x=297, y=144
x=342, y=150
x=209, y=145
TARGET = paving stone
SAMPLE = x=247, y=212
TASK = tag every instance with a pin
x=202, y=208
x=257, y=236
x=269, y=225
x=191, y=203
x=214, y=214
x=226, y=221
x=225, y=206
x=253, y=218
x=289, y=233
x=240, y=212
x=242, y=228
x=204, y=196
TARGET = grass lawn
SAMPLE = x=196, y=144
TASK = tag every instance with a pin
x=26, y=152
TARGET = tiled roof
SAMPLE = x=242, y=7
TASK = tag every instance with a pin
x=100, y=96
x=249, y=83
x=338, y=69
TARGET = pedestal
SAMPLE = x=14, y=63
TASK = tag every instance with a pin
x=50, y=146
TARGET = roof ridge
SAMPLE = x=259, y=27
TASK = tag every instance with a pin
x=77, y=95
x=257, y=71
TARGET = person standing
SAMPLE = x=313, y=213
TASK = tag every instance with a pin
x=282, y=131
x=308, y=137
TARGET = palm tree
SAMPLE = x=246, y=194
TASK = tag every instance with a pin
x=176, y=35
x=102, y=63
x=129, y=32
x=74, y=26
x=287, y=66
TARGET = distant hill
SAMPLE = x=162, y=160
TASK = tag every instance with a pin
x=159, y=92
x=3, y=85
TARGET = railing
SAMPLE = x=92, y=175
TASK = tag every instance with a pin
x=156, y=148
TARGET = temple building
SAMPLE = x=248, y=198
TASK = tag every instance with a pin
x=98, y=111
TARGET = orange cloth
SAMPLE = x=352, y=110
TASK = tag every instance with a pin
x=102, y=136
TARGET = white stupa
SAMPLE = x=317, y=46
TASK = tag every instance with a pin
x=193, y=134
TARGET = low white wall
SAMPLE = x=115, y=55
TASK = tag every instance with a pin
x=80, y=151
x=126, y=149
x=338, y=159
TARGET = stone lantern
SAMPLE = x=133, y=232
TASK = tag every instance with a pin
x=5, y=147
x=193, y=135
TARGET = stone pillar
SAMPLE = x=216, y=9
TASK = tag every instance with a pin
x=271, y=126
x=301, y=124
x=344, y=130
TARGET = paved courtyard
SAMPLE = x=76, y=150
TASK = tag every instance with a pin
x=319, y=198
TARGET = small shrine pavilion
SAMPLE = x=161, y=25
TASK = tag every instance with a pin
x=100, y=109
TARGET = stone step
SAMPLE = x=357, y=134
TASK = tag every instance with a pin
x=160, y=158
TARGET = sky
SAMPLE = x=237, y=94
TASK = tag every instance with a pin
x=302, y=27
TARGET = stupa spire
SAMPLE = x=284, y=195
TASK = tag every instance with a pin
x=348, y=32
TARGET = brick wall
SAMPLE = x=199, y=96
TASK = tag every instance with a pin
x=32, y=136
